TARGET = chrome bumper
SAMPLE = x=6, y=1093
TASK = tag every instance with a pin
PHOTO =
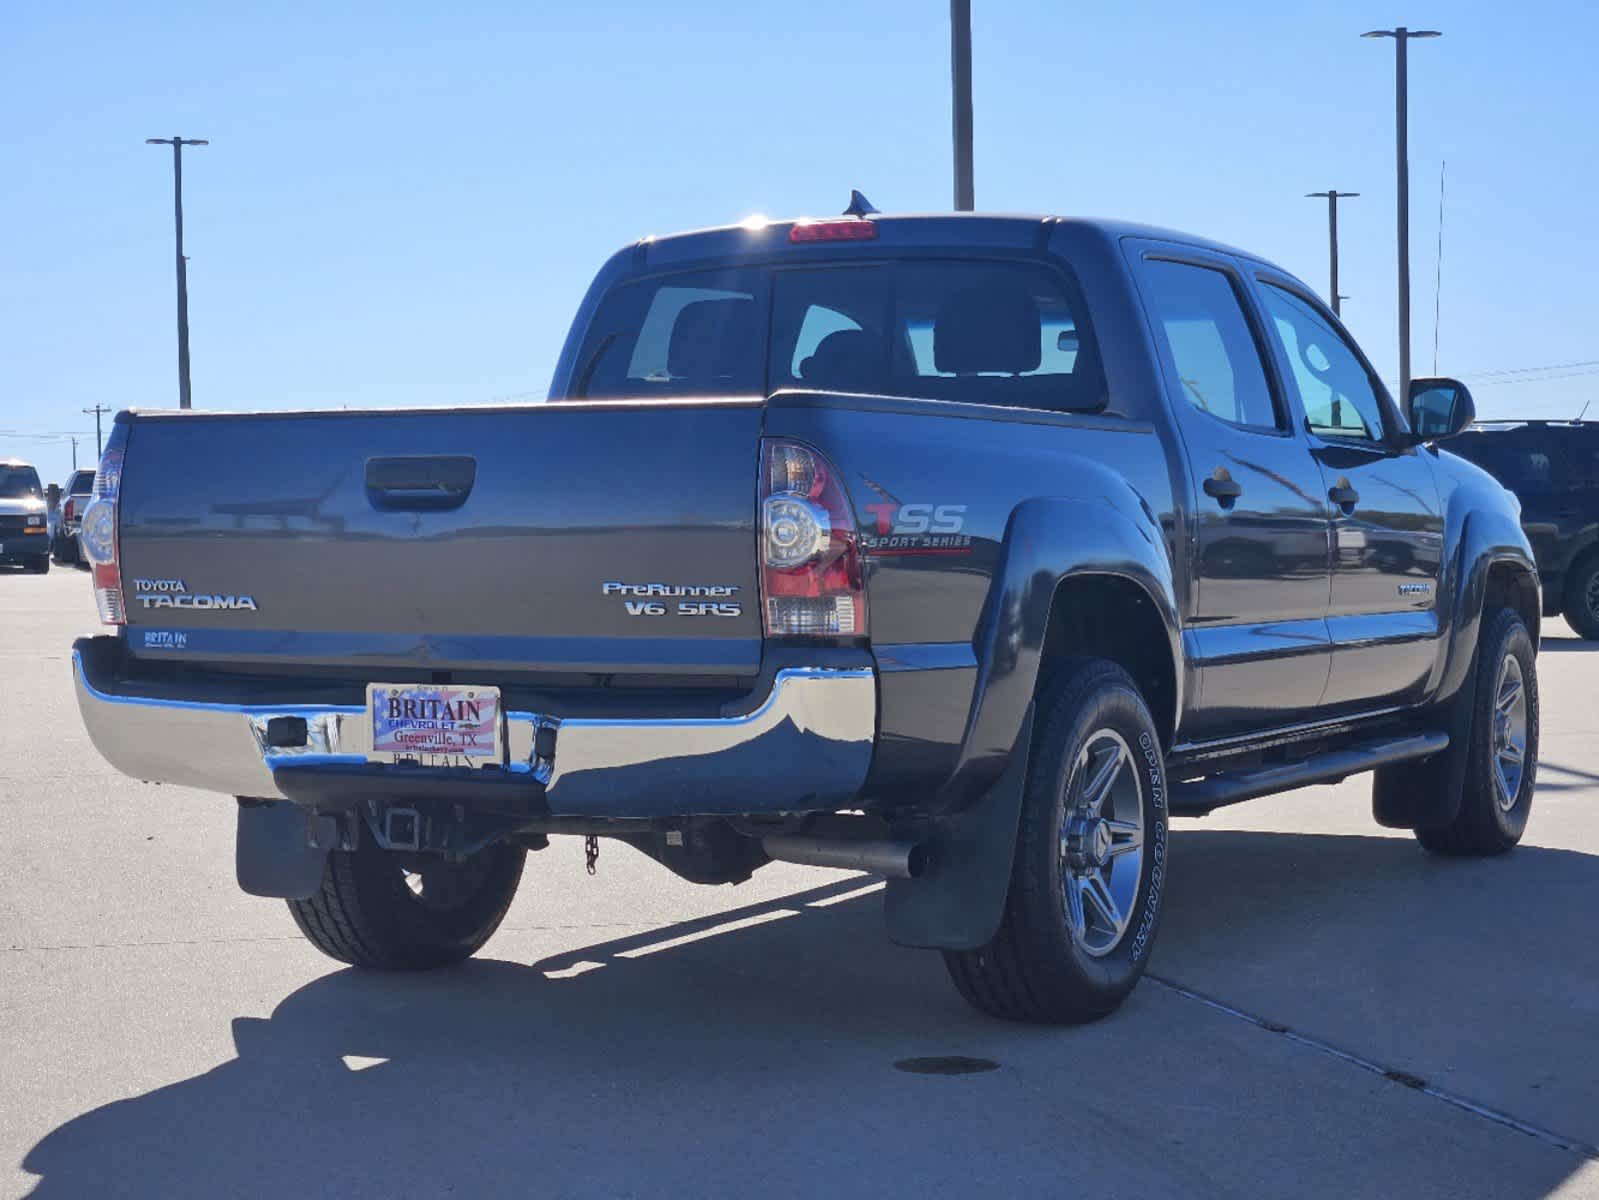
x=806, y=747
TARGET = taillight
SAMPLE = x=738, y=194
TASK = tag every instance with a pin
x=811, y=581
x=99, y=537
x=69, y=508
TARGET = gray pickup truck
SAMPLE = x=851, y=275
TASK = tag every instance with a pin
x=965, y=550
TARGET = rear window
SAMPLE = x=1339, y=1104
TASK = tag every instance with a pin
x=19, y=483
x=1519, y=459
x=986, y=332
x=82, y=484
x=683, y=335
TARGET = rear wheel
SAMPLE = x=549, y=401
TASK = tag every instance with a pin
x=40, y=565
x=382, y=909
x=1502, y=756
x=1090, y=865
x=1580, y=599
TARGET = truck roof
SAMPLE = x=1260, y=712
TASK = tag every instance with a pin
x=1015, y=230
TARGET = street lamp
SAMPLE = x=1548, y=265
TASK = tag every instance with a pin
x=1333, y=196
x=1402, y=37
x=177, y=145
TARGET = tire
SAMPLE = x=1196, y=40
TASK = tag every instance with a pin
x=1056, y=959
x=40, y=565
x=369, y=914
x=1496, y=801
x=1579, y=599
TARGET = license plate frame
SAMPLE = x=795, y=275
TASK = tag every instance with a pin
x=436, y=724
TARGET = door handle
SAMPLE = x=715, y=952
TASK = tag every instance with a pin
x=1223, y=488
x=420, y=483
x=1344, y=496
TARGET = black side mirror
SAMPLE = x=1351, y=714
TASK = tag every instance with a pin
x=1439, y=408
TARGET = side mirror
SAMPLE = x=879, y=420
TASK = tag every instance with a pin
x=1439, y=408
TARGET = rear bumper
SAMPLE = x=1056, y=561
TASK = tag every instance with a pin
x=805, y=745
x=16, y=545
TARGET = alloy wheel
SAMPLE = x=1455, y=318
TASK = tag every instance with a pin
x=1509, y=733
x=1102, y=843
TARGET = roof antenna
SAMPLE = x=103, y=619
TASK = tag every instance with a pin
x=859, y=205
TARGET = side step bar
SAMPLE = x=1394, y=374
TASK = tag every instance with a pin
x=1197, y=797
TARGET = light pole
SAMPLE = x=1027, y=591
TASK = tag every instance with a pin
x=177, y=145
x=98, y=410
x=1402, y=37
x=960, y=69
x=1333, y=196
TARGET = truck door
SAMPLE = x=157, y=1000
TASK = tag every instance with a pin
x=1388, y=525
x=1256, y=620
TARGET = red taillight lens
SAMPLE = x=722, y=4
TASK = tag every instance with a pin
x=811, y=579
x=851, y=230
x=69, y=509
x=98, y=536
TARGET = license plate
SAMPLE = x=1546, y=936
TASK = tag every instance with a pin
x=435, y=724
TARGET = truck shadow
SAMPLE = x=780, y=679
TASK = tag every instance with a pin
x=753, y=1053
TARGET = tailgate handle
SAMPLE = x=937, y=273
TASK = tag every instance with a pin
x=424, y=482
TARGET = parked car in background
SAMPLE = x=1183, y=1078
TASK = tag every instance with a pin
x=964, y=550
x=24, y=523
x=75, y=497
x=1553, y=468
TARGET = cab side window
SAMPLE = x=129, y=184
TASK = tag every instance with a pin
x=1212, y=347
x=1338, y=395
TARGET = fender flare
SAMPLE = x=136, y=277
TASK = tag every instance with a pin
x=958, y=903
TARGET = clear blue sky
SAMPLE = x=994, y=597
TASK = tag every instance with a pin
x=403, y=202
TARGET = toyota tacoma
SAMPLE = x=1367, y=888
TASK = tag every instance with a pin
x=965, y=550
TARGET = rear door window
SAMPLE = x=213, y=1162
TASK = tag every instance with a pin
x=1212, y=346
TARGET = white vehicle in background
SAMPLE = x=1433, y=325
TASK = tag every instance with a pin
x=24, y=522
x=65, y=547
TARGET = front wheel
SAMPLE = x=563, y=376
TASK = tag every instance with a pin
x=381, y=909
x=1090, y=867
x=1502, y=755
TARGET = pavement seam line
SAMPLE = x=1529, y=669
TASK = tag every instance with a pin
x=1404, y=1079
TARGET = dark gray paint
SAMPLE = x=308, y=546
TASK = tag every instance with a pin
x=572, y=494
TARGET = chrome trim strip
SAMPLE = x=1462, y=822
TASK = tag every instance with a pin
x=807, y=746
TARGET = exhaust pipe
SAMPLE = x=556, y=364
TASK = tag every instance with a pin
x=896, y=860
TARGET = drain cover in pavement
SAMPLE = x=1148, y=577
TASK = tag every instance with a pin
x=946, y=1064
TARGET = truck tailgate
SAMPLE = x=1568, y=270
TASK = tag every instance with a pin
x=464, y=539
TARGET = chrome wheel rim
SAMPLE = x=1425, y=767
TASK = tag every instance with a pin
x=1102, y=843
x=1509, y=733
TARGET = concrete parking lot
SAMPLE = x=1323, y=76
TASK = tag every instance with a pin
x=1330, y=1012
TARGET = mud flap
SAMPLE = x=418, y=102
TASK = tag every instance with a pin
x=281, y=849
x=1406, y=796
x=957, y=904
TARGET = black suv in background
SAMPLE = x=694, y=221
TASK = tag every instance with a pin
x=1553, y=468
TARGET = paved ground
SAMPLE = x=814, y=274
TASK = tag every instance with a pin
x=163, y=1035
